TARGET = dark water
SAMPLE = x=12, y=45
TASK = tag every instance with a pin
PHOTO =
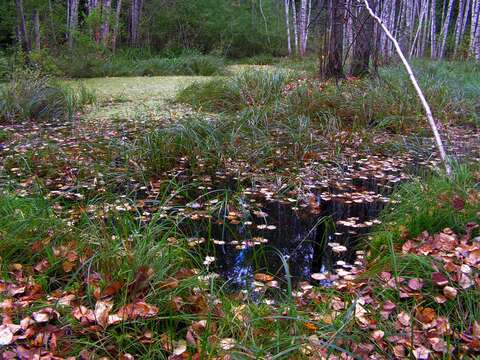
x=300, y=239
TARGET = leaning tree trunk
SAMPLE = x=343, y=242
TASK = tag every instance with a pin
x=363, y=28
x=334, y=67
x=22, y=26
x=444, y=33
x=116, y=27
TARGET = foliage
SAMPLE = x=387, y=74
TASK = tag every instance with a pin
x=32, y=96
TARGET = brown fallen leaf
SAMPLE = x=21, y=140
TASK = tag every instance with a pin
x=450, y=292
x=425, y=315
x=263, y=277
x=102, y=310
x=6, y=335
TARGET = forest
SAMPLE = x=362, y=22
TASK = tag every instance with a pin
x=239, y=179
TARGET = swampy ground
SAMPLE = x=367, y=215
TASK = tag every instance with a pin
x=263, y=214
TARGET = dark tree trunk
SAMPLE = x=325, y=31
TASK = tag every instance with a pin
x=22, y=26
x=72, y=20
x=362, y=49
x=107, y=4
x=36, y=29
x=116, y=27
x=135, y=15
x=334, y=67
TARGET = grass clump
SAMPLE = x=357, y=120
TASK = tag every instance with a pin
x=248, y=89
x=199, y=140
x=114, y=66
x=32, y=96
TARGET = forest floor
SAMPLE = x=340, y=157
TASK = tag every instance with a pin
x=240, y=218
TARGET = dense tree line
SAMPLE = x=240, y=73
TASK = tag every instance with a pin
x=342, y=30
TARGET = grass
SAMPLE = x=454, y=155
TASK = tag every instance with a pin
x=386, y=101
x=127, y=232
x=247, y=89
x=117, y=66
x=32, y=96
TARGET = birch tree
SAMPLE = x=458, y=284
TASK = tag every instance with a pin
x=302, y=24
x=474, y=30
x=433, y=29
x=287, y=26
x=445, y=26
x=295, y=25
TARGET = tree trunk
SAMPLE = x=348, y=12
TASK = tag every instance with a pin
x=52, y=25
x=36, y=29
x=72, y=21
x=22, y=26
x=307, y=24
x=287, y=26
x=458, y=26
x=433, y=30
x=474, y=31
x=363, y=28
x=295, y=25
x=135, y=16
x=107, y=4
x=117, y=25
x=334, y=67
x=302, y=24
x=444, y=33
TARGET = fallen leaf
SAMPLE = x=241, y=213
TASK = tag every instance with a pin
x=6, y=335
x=227, y=343
x=263, y=277
x=102, y=310
x=449, y=292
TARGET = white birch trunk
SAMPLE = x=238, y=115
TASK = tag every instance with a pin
x=295, y=25
x=458, y=26
x=444, y=33
x=474, y=27
x=433, y=30
x=302, y=24
x=287, y=26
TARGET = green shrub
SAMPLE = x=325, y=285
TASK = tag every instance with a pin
x=32, y=96
x=44, y=62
